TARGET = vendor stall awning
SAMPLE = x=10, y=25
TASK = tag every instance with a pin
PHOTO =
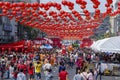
x=107, y=45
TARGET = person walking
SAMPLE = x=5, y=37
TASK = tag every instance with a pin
x=38, y=66
x=63, y=75
x=2, y=69
x=46, y=67
x=49, y=76
x=21, y=75
x=84, y=74
x=90, y=75
x=61, y=66
x=95, y=74
x=31, y=71
x=99, y=71
x=11, y=70
x=78, y=76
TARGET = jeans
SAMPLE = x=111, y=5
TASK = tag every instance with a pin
x=100, y=76
x=38, y=75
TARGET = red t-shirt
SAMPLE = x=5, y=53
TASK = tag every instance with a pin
x=22, y=66
x=63, y=75
x=31, y=70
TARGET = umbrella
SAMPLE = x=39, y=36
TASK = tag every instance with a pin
x=46, y=46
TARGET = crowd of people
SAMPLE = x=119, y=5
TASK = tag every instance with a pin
x=29, y=66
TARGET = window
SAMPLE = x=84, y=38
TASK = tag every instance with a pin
x=7, y=20
x=1, y=18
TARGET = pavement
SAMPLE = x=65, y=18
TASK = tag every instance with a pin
x=72, y=73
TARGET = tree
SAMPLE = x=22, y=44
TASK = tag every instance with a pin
x=32, y=33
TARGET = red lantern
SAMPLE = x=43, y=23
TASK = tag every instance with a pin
x=21, y=4
x=42, y=5
x=28, y=5
x=49, y=4
x=14, y=13
x=34, y=14
x=84, y=2
x=7, y=4
x=18, y=17
x=4, y=11
x=46, y=8
x=44, y=15
x=1, y=4
x=40, y=12
x=58, y=7
x=97, y=3
x=64, y=2
x=14, y=5
x=24, y=14
x=35, y=8
x=119, y=3
x=16, y=20
x=83, y=7
x=17, y=9
x=95, y=6
x=35, y=4
x=109, y=10
x=85, y=11
x=28, y=10
x=71, y=8
x=54, y=4
x=107, y=5
x=10, y=16
x=97, y=11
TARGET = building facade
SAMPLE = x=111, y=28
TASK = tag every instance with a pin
x=9, y=28
x=115, y=21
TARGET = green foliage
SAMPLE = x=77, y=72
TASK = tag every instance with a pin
x=75, y=45
x=31, y=33
x=102, y=36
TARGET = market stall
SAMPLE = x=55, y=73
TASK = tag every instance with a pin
x=110, y=69
x=16, y=46
x=107, y=45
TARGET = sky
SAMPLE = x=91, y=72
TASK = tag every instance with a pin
x=77, y=7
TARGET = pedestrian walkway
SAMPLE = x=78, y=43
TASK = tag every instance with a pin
x=72, y=73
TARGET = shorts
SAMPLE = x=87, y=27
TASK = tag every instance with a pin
x=31, y=76
x=38, y=75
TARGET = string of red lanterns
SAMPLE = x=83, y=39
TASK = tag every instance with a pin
x=58, y=23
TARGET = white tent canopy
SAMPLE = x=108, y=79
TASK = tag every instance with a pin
x=107, y=45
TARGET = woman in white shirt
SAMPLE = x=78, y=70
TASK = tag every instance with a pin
x=90, y=75
x=84, y=73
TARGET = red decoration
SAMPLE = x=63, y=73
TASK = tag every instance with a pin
x=58, y=23
x=1, y=4
x=83, y=7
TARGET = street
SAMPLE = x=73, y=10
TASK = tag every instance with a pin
x=72, y=73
